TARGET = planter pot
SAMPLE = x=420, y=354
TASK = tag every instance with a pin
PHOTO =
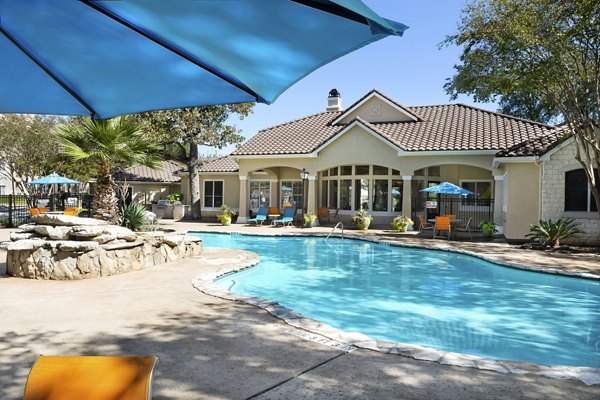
x=363, y=226
x=225, y=221
x=487, y=234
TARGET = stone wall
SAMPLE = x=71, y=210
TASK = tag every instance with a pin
x=553, y=196
x=68, y=252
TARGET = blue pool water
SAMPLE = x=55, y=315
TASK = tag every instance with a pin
x=443, y=300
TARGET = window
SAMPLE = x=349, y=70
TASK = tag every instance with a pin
x=345, y=194
x=482, y=192
x=362, y=170
x=333, y=171
x=379, y=170
x=346, y=170
x=578, y=196
x=260, y=194
x=333, y=194
x=2, y=190
x=397, y=186
x=213, y=194
x=380, y=195
x=325, y=193
x=361, y=194
x=291, y=194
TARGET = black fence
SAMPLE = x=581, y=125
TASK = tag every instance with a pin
x=430, y=205
x=14, y=209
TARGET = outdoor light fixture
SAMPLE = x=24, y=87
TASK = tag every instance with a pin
x=304, y=176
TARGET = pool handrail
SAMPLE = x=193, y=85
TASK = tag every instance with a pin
x=336, y=225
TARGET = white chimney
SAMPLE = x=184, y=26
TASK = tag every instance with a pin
x=334, y=101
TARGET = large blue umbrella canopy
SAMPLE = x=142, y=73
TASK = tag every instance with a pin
x=105, y=58
x=53, y=179
x=447, y=188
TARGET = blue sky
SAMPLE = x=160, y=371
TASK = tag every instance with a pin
x=410, y=69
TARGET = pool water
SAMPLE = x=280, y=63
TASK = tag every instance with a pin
x=442, y=300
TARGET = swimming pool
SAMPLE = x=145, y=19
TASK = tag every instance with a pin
x=442, y=300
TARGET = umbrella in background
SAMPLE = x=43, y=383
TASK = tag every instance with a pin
x=53, y=179
x=447, y=188
x=106, y=58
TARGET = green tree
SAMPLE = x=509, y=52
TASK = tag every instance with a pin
x=27, y=147
x=541, y=59
x=109, y=144
x=181, y=131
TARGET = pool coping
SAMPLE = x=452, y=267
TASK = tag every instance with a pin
x=205, y=284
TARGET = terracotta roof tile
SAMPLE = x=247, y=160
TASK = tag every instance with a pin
x=441, y=128
x=534, y=147
x=222, y=164
x=164, y=173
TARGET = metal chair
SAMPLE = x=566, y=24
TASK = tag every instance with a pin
x=442, y=224
x=91, y=378
x=466, y=228
x=423, y=225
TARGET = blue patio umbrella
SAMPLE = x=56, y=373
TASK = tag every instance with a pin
x=53, y=179
x=447, y=188
x=105, y=58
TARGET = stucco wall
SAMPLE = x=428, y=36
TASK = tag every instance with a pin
x=553, y=195
x=231, y=192
x=522, y=203
x=148, y=193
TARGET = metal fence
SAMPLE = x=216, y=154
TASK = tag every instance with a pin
x=430, y=205
x=14, y=209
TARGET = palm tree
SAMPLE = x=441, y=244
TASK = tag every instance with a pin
x=110, y=143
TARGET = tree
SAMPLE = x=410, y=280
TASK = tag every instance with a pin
x=541, y=58
x=27, y=147
x=182, y=130
x=110, y=144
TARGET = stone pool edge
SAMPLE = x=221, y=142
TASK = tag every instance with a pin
x=204, y=283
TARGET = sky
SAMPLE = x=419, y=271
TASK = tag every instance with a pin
x=410, y=69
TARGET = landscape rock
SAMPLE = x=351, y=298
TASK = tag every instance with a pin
x=73, y=245
x=27, y=244
x=66, y=220
x=43, y=230
x=104, y=238
x=86, y=231
x=14, y=236
x=27, y=227
x=121, y=232
x=60, y=233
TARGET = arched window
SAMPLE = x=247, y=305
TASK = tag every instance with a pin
x=578, y=196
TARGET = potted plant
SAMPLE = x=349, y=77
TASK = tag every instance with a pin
x=488, y=228
x=224, y=215
x=310, y=220
x=401, y=223
x=362, y=219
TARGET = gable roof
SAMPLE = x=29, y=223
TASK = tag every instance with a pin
x=451, y=127
x=534, y=147
x=221, y=164
x=164, y=173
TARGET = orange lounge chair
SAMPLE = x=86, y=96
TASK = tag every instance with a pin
x=34, y=211
x=91, y=378
x=71, y=211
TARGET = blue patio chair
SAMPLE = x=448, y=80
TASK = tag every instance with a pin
x=260, y=217
x=288, y=217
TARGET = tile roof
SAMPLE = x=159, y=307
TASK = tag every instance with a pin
x=534, y=147
x=222, y=164
x=164, y=173
x=441, y=128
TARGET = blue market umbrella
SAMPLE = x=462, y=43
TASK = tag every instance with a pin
x=106, y=58
x=53, y=179
x=447, y=188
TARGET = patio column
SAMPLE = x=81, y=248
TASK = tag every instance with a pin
x=407, y=195
x=499, y=200
x=311, y=200
x=243, y=216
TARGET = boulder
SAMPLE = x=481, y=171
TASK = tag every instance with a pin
x=43, y=230
x=27, y=227
x=14, y=236
x=121, y=232
x=86, y=232
x=73, y=245
x=104, y=238
x=27, y=244
x=60, y=233
x=173, y=240
x=66, y=220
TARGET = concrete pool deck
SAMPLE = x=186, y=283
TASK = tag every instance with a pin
x=210, y=348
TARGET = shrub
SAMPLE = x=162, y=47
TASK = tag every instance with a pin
x=133, y=216
x=488, y=228
x=550, y=233
x=360, y=217
x=400, y=223
x=309, y=220
x=173, y=197
x=224, y=213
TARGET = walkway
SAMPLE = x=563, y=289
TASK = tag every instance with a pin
x=217, y=349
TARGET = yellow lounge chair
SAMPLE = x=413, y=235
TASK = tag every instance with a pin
x=91, y=378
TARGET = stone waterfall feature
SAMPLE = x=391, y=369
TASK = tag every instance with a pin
x=68, y=248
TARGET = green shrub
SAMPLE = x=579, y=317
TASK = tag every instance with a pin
x=309, y=220
x=550, y=233
x=133, y=216
x=225, y=214
x=173, y=197
x=401, y=223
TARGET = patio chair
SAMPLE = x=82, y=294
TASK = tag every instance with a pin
x=442, y=224
x=323, y=215
x=260, y=217
x=466, y=228
x=72, y=211
x=43, y=210
x=91, y=378
x=34, y=212
x=288, y=217
x=424, y=225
